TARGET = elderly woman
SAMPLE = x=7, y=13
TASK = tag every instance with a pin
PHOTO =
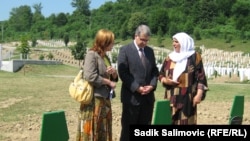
x=183, y=76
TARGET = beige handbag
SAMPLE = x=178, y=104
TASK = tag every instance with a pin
x=80, y=89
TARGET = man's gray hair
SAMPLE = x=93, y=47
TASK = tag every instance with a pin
x=143, y=29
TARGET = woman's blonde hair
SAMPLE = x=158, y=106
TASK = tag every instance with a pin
x=102, y=40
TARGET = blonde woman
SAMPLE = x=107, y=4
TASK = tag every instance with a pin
x=95, y=119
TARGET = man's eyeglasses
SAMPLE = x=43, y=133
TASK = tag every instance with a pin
x=144, y=40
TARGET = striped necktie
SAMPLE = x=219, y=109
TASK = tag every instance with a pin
x=142, y=56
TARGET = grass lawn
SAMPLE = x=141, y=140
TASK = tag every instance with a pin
x=27, y=94
x=41, y=87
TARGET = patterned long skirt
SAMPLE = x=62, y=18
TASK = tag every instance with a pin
x=179, y=118
x=95, y=121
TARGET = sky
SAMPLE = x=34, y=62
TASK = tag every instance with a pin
x=48, y=6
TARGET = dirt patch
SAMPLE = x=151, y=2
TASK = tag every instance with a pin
x=29, y=128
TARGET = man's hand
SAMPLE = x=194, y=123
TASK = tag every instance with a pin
x=143, y=90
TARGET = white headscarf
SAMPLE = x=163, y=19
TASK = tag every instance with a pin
x=186, y=50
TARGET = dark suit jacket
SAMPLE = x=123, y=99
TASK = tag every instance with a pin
x=133, y=74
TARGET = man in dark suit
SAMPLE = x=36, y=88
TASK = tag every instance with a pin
x=138, y=72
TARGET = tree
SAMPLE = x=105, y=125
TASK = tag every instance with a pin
x=50, y=56
x=82, y=6
x=34, y=42
x=37, y=16
x=123, y=16
x=197, y=34
x=78, y=51
x=60, y=20
x=66, y=39
x=205, y=13
x=24, y=47
x=41, y=57
x=21, y=18
x=240, y=11
x=172, y=29
x=135, y=20
x=38, y=8
x=158, y=20
x=51, y=33
x=123, y=32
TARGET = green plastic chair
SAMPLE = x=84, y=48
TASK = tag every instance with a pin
x=162, y=113
x=237, y=111
x=54, y=127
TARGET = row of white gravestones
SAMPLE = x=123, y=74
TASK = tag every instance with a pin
x=214, y=59
x=226, y=63
x=51, y=43
x=225, y=57
x=243, y=73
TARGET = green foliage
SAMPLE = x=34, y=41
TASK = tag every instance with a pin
x=215, y=74
x=135, y=20
x=21, y=19
x=51, y=33
x=82, y=6
x=50, y=56
x=34, y=43
x=24, y=48
x=41, y=57
x=212, y=18
x=228, y=39
x=158, y=20
x=123, y=33
x=159, y=41
x=160, y=32
x=173, y=29
x=66, y=39
x=79, y=51
x=60, y=20
x=114, y=57
x=197, y=34
x=37, y=16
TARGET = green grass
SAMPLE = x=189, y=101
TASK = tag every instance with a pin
x=40, y=88
x=45, y=88
x=226, y=91
x=25, y=97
